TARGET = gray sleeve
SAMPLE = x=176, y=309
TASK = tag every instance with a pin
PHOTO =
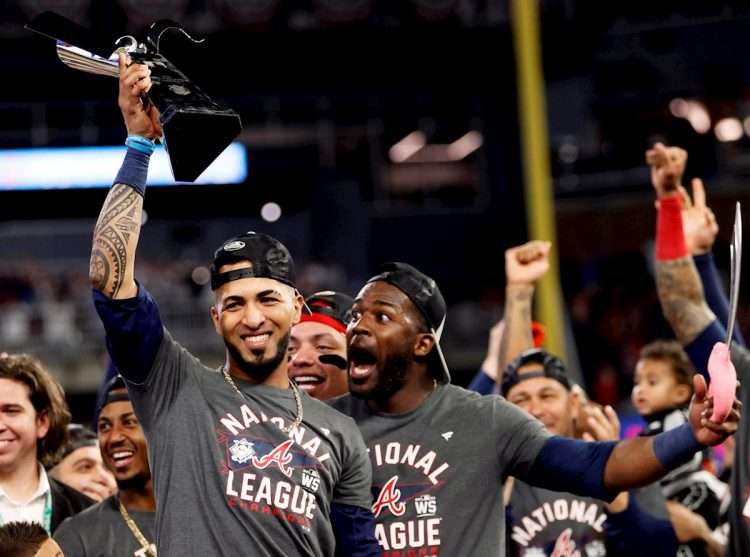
x=69, y=539
x=518, y=435
x=741, y=361
x=355, y=484
x=168, y=375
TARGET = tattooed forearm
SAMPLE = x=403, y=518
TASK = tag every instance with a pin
x=517, y=335
x=682, y=300
x=115, y=239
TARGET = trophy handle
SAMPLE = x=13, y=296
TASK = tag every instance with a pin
x=129, y=44
x=158, y=28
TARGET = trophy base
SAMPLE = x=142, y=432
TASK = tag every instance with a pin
x=195, y=137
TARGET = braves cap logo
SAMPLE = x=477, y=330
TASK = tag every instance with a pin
x=389, y=497
x=279, y=455
x=234, y=246
x=565, y=546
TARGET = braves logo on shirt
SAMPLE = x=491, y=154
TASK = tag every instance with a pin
x=389, y=498
x=565, y=546
x=245, y=451
x=279, y=455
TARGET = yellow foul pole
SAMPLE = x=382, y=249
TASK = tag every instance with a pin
x=540, y=201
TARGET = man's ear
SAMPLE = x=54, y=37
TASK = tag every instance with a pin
x=215, y=318
x=42, y=424
x=424, y=344
x=299, y=303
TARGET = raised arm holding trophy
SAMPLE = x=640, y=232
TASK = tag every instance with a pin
x=194, y=128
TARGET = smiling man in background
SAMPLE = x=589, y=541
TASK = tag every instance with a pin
x=122, y=525
x=317, y=347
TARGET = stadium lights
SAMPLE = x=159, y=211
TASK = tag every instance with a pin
x=414, y=148
x=728, y=129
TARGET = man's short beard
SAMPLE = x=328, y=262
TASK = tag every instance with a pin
x=391, y=379
x=136, y=483
x=261, y=370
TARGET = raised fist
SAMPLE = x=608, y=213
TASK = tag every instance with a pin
x=667, y=167
x=527, y=263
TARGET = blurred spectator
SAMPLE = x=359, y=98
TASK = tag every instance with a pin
x=81, y=467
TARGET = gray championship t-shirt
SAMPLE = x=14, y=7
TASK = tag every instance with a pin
x=739, y=483
x=227, y=480
x=544, y=523
x=100, y=531
x=438, y=471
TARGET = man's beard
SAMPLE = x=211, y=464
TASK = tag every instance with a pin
x=391, y=379
x=260, y=371
x=136, y=483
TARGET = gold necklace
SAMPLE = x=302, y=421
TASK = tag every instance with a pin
x=295, y=391
x=145, y=545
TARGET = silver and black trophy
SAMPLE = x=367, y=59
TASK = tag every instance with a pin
x=196, y=129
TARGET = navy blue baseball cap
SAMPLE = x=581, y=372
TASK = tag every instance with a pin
x=426, y=296
x=268, y=258
x=552, y=367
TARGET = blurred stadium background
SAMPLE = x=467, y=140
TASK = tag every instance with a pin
x=384, y=130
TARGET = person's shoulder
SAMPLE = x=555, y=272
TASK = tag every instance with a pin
x=171, y=351
x=75, y=499
x=455, y=395
x=94, y=512
x=342, y=403
x=334, y=411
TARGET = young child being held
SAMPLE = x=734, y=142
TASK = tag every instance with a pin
x=662, y=389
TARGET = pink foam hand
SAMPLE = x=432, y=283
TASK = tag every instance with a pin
x=723, y=381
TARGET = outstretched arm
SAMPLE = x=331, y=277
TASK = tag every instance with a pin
x=614, y=467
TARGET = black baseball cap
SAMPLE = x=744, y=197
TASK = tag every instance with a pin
x=116, y=383
x=553, y=367
x=330, y=308
x=78, y=436
x=426, y=296
x=268, y=258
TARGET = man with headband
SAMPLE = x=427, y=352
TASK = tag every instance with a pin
x=440, y=453
x=122, y=525
x=243, y=462
x=317, y=348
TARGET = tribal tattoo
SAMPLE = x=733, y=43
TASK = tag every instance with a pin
x=118, y=225
x=682, y=300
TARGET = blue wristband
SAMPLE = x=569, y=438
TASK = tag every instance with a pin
x=140, y=143
x=676, y=446
x=134, y=170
